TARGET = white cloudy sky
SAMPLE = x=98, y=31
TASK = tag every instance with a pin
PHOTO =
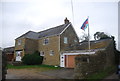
x=19, y=16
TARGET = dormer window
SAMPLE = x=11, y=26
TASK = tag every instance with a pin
x=19, y=42
x=46, y=41
x=65, y=40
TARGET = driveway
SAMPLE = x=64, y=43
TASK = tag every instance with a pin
x=37, y=74
x=26, y=74
x=61, y=73
x=51, y=74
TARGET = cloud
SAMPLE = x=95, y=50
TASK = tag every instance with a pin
x=20, y=17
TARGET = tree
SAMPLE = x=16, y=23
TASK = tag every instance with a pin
x=84, y=37
x=100, y=35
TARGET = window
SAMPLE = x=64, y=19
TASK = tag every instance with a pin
x=51, y=52
x=42, y=53
x=46, y=41
x=65, y=40
x=18, y=53
x=75, y=41
x=19, y=42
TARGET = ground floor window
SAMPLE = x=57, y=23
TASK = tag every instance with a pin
x=18, y=55
x=51, y=52
x=42, y=53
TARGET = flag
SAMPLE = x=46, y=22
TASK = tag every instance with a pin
x=85, y=24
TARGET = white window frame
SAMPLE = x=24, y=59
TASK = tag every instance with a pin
x=18, y=55
x=44, y=41
x=52, y=53
x=42, y=53
x=19, y=42
x=65, y=40
x=75, y=40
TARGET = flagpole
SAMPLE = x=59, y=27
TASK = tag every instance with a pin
x=72, y=11
x=88, y=37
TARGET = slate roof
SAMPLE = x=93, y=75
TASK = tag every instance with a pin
x=9, y=49
x=49, y=32
x=52, y=31
x=30, y=34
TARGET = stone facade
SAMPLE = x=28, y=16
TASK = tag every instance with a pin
x=20, y=47
x=86, y=65
x=72, y=38
x=53, y=44
x=31, y=45
x=27, y=46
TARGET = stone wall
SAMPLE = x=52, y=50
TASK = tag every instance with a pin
x=86, y=65
x=53, y=45
x=31, y=45
x=71, y=37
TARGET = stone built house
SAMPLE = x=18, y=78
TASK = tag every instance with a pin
x=50, y=43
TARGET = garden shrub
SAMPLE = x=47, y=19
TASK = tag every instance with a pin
x=32, y=59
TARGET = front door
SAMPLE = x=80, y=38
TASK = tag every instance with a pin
x=62, y=63
x=18, y=55
x=70, y=61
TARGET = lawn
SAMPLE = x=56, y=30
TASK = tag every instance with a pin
x=46, y=67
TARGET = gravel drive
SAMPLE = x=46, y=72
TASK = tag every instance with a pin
x=37, y=74
x=61, y=73
x=26, y=74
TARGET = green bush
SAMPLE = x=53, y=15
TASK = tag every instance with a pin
x=32, y=59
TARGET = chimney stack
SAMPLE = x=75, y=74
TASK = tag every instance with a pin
x=66, y=21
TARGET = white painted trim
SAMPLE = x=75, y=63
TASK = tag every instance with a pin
x=79, y=53
x=62, y=64
x=65, y=40
x=65, y=28
x=50, y=53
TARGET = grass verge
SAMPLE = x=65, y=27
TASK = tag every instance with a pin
x=102, y=74
x=10, y=66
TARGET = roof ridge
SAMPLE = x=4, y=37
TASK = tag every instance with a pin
x=51, y=28
x=47, y=32
x=26, y=33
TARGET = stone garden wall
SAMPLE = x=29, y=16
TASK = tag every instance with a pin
x=86, y=65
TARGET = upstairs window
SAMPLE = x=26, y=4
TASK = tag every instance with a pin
x=65, y=40
x=42, y=53
x=51, y=52
x=19, y=42
x=75, y=41
x=46, y=41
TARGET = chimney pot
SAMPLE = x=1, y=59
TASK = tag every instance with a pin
x=66, y=21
